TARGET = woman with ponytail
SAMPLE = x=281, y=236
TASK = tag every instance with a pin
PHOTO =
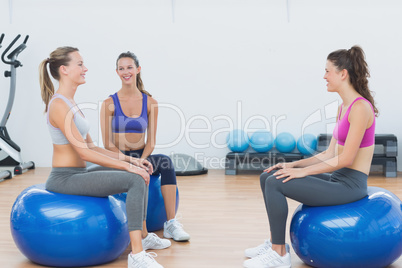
x=127, y=117
x=73, y=146
x=348, y=157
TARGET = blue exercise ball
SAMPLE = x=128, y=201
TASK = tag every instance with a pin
x=285, y=142
x=262, y=141
x=366, y=233
x=62, y=230
x=156, y=212
x=237, y=141
x=307, y=144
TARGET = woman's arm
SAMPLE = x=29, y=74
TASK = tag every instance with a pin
x=151, y=130
x=323, y=156
x=142, y=163
x=106, y=115
x=359, y=119
x=61, y=116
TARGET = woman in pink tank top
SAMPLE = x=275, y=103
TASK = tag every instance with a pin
x=348, y=157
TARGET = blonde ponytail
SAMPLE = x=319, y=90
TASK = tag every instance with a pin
x=46, y=85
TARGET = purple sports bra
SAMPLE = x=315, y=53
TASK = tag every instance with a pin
x=124, y=124
x=342, y=128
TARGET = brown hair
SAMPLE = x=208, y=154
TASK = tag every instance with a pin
x=353, y=60
x=131, y=55
x=59, y=57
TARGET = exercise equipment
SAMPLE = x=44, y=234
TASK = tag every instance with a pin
x=307, y=144
x=6, y=174
x=156, y=213
x=366, y=233
x=185, y=165
x=285, y=142
x=236, y=162
x=262, y=141
x=61, y=230
x=12, y=150
x=237, y=141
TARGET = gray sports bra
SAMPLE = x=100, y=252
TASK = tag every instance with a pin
x=80, y=121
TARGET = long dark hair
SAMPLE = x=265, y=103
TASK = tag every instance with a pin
x=353, y=60
x=131, y=55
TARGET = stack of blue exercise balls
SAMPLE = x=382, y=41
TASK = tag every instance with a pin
x=262, y=141
x=366, y=233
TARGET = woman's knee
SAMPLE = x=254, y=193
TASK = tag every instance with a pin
x=136, y=181
x=263, y=178
x=272, y=184
x=164, y=162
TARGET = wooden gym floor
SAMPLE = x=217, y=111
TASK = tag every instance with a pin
x=223, y=214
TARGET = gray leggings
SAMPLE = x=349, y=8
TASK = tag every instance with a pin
x=100, y=182
x=342, y=186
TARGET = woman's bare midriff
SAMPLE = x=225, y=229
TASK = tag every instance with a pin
x=129, y=141
x=362, y=161
x=65, y=156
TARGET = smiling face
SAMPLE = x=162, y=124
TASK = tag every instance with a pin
x=75, y=69
x=333, y=77
x=127, y=70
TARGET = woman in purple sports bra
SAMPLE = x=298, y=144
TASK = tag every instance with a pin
x=129, y=123
x=348, y=157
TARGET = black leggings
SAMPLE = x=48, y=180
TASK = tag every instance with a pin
x=342, y=186
x=162, y=165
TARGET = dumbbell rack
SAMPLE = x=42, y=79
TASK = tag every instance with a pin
x=256, y=161
x=385, y=152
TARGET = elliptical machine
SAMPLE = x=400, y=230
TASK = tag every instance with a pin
x=6, y=144
x=6, y=174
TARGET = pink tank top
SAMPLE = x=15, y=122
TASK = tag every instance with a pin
x=342, y=128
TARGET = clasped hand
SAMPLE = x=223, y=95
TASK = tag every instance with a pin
x=142, y=163
x=141, y=167
x=286, y=170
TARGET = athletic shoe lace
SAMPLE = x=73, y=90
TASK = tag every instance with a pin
x=270, y=258
x=261, y=249
x=154, y=238
x=145, y=261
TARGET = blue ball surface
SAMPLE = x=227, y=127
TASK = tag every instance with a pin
x=262, y=141
x=62, y=230
x=237, y=141
x=285, y=142
x=307, y=144
x=366, y=233
x=156, y=213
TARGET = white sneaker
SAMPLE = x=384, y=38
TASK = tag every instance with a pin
x=143, y=260
x=271, y=259
x=261, y=249
x=152, y=241
x=174, y=229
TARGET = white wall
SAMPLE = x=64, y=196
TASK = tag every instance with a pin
x=208, y=59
